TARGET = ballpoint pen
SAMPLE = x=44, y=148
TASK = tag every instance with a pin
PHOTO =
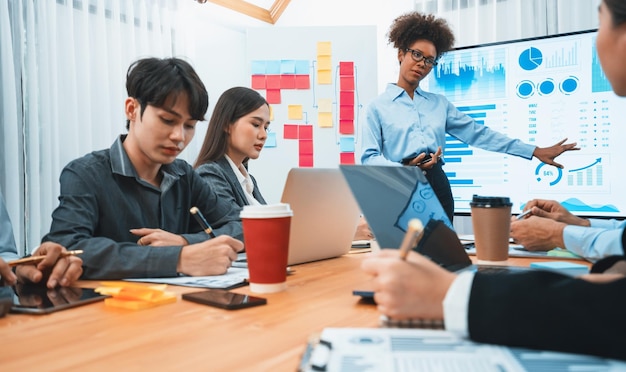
x=202, y=221
x=36, y=259
x=523, y=214
x=413, y=235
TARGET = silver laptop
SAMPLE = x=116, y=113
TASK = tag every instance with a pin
x=325, y=214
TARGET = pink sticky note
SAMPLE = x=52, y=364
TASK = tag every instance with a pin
x=346, y=112
x=346, y=126
x=290, y=131
x=346, y=68
x=303, y=82
x=288, y=81
x=258, y=81
x=305, y=132
x=305, y=147
x=273, y=81
x=346, y=97
x=272, y=96
x=306, y=161
x=346, y=158
x=346, y=83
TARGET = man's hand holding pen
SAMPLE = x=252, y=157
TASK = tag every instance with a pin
x=56, y=268
x=210, y=257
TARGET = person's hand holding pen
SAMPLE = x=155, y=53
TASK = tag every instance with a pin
x=555, y=211
x=56, y=268
x=534, y=232
x=211, y=257
x=409, y=288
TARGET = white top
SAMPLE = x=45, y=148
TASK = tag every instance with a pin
x=244, y=180
x=456, y=304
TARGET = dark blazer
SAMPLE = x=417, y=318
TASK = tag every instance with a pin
x=223, y=181
x=546, y=310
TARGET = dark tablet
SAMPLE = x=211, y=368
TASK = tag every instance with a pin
x=37, y=299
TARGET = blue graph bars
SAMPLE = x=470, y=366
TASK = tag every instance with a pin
x=470, y=75
x=599, y=82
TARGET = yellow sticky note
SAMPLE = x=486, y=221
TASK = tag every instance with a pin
x=137, y=304
x=323, y=48
x=135, y=296
x=325, y=120
x=325, y=105
x=324, y=63
x=271, y=113
x=324, y=77
x=294, y=112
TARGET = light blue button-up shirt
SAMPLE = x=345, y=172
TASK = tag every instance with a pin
x=602, y=239
x=398, y=126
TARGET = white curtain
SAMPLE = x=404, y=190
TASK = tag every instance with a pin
x=484, y=21
x=63, y=72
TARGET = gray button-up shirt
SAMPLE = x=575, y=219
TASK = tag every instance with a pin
x=102, y=198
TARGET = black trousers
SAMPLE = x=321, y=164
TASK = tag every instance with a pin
x=441, y=186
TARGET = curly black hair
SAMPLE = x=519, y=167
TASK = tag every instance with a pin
x=409, y=27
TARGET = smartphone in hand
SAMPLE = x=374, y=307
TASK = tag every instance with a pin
x=224, y=299
x=408, y=159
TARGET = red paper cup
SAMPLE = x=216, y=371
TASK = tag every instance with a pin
x=266, y=240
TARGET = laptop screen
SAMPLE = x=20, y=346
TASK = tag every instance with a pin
x=390, y=197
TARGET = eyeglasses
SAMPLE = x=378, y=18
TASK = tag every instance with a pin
x=419, y=57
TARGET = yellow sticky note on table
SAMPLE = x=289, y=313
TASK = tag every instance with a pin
x=135, y=296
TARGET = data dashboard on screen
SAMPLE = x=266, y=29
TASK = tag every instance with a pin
x=539, y=90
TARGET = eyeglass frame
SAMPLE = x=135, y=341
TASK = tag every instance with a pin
x=418, y=56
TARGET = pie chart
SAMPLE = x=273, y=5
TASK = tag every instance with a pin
x=530, y=59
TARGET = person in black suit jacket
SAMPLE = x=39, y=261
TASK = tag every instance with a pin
x=237, y=132
x=534, y=309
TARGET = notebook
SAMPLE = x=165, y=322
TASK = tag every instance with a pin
x=389, y=197
x=325, y=214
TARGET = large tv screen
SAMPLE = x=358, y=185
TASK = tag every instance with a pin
x=539, y=90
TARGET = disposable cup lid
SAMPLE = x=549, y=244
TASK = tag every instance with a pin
x=266, y=211
x=490, y=201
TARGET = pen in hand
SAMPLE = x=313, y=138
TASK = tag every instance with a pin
x=413, y=235
x=202, y=221
x=36, y=259
x=523, y=214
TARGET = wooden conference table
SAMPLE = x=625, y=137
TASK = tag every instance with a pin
x=191, y=337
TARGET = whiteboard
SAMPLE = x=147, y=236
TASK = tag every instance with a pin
x=356, y=44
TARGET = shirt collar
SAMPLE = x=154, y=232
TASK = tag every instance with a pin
x=396, y=92
x=121, y=164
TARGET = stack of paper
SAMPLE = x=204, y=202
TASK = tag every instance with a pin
x=234, y=277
